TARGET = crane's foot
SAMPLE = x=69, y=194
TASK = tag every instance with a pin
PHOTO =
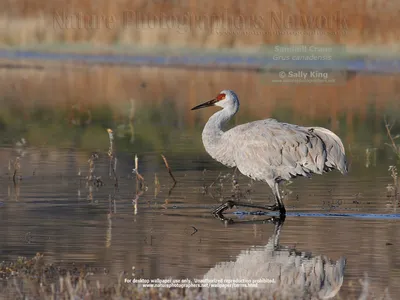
x=218, y=212
x=274, y=207
x=270, y=220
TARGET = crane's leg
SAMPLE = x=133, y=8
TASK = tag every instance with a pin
x=278, y=199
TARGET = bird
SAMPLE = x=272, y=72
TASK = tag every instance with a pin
x=268, y=150
x=279, y=272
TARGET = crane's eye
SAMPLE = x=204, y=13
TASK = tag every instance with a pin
x=221, y=97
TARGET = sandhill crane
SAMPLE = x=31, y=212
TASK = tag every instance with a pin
x=269, y=150
x=280, y=273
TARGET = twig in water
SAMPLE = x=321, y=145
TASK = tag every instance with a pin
x=111, y=138
x=156, y=185
x=170, y=190
x=136, y=199
x=394, y=188
x=17, y=166
x=16, y=191
x=370, y=154
x=136, y=170
x=168, y=168
x=205, y=188
x=111, y=155
x=211, y=185
x=98, y=182
x=92, y=166
x=396, y=149
x=195, y=230
x=109, y=227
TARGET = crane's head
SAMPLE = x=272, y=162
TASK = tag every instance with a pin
x=225, y=98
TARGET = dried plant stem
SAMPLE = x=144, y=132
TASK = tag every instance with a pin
x=115, y=177
x=168, y=168
x=211, y=185
x=395, y=148
x=17, y=166
x=171, y=189
x=110, y=149
x=91, y=177
x=156, y=185
x=15, y=172
x=111, y=155
x=109, y=227
x=394, y=175
x=138, y=176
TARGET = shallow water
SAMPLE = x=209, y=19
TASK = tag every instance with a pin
x=52, y=211
x=172, y=233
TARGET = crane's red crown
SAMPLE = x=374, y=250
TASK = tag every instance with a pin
x=220, y=97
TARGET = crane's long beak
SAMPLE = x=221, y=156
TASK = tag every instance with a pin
x=205, y=104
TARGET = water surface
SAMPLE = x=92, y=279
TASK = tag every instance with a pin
x=163, y=232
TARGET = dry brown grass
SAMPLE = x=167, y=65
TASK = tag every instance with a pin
x=26, y=278
x=34, y=278
x=195, y=23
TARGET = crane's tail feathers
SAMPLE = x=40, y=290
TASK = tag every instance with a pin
x=336, y=156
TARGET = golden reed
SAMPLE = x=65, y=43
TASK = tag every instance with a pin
x=205, y=24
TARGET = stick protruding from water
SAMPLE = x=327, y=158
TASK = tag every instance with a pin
x=111, y=154
x=168, y=168
x=136, y=170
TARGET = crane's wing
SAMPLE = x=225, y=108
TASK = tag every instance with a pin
x=336, y=158
x=268, y=149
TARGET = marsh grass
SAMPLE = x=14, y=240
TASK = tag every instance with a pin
x=393, y=145
x=194, y=24
x=135, y=171
x=156, y=185
x=91, y=178
x=393, y=188
x=34, y=278
x=112, y=158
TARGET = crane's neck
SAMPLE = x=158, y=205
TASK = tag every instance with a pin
x=213, y=135
x=215, y=125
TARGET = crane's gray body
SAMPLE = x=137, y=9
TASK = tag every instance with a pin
x=269, y=150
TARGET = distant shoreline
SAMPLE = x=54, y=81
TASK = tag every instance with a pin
x=258, y=61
